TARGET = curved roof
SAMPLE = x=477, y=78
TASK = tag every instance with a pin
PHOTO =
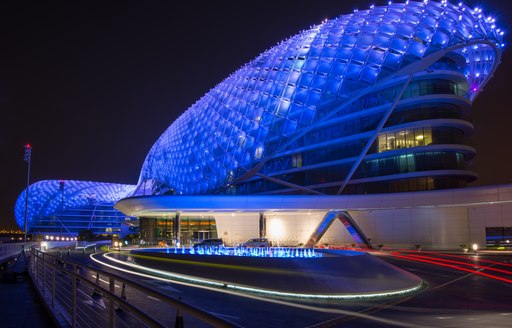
x=461, y=197
x=47, y=197
x=264, y=106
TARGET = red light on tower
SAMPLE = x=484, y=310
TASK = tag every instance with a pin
x=26, y=157
x=28, y=152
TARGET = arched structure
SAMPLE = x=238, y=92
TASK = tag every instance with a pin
x=65, y=207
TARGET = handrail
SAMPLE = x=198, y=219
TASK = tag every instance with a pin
x=9, y=250
x=43, y=267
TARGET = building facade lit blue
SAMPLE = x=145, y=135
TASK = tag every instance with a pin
x=65, y=207
x=375, y=101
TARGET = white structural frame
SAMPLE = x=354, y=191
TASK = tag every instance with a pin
x=437, y=219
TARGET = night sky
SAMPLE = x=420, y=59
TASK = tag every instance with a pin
x=92, y=86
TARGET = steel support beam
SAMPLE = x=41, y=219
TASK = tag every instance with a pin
x=353, y=229
x=372, y=139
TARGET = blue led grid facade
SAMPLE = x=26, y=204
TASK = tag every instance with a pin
x=67, y=207
x=317, y=113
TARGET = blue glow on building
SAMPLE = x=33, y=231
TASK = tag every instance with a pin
x=65, y=207
x=318, y=112
x=374, y=101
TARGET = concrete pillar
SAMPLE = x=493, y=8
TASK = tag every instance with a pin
x=263, y=225
x=147, y=230
x=177, y=229
x=349, y=223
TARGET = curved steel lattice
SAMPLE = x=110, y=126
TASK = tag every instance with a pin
x=49, y=197
x=259, y=110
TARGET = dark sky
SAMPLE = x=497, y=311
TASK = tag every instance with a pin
x=92, y=85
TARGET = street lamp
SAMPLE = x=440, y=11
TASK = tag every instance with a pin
x=61, y=188
x=26, y=157
x=475, y=248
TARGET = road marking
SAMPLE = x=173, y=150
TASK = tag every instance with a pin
x=224, y=315
x=429, y=272
x=162, y=285
x=104, y=281
x=170, y=289
x=154, y=298
x=268, y=300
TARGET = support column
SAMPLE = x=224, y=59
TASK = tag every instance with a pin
x=147, y=230
x=349, y=223
x=177, y=229
x=319, y=232
x=263, y=225
x=355, y=231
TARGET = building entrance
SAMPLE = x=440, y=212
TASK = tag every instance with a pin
x=193, y=229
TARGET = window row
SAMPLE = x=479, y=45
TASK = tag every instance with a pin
x=412, y=163
x=404, y=139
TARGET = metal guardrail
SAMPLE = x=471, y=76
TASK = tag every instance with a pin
x=8, y=250
x=83, y=296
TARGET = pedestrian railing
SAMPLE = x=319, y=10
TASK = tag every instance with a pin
x=9, y=250
x=80, y=295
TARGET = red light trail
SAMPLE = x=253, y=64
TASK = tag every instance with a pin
x=443, y=262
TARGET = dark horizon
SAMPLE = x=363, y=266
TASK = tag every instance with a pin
x=91, y=88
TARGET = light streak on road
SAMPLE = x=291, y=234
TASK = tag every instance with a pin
x=440, y=263
x=254, y=297
x=474, y=265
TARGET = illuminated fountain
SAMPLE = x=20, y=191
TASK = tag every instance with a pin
x=279, y=271
x=274, y=252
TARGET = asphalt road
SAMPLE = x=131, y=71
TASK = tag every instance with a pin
x=462, y=291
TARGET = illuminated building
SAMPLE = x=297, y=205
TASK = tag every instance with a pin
x=370, y=102
x=373, y=102
x=64, y=208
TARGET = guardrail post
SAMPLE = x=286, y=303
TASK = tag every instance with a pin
x=74, y=282
x=36, y=264
x=97, y=292
x=31, y=265
x=40, y=268
x=44, y=275
x=53, y=282
x=123, y=292
x=111, y=288
x=123, y=297
x=179, y=318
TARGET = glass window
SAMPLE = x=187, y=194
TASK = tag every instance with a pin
x=297, y=160
x=382, y=143
x=404, y=138
x=415, y=89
